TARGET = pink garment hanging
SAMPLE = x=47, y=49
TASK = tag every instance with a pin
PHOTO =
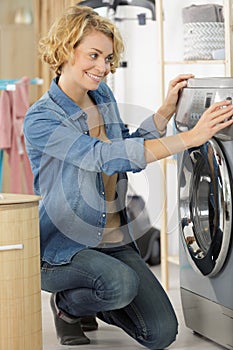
x=13, y=107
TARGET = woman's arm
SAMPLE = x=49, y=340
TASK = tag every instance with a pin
x=215, y=118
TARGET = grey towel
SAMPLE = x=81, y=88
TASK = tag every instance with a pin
x=203, y=13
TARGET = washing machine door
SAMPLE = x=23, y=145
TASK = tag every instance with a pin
x=205, y=207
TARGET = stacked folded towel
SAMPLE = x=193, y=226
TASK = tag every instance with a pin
x=203, y=13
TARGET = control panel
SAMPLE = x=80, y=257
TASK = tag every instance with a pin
x=192, y=104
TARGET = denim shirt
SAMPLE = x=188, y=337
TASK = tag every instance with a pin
x=68, y=164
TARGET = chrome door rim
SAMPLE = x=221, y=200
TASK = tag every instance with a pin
x=193, y=211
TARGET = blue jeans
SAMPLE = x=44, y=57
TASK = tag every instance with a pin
x=117, y=285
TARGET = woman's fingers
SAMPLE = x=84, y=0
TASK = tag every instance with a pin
x=224, y=124
x=221, y=115
x=181, y=78
x=218, y=112
x=214, y=119
x=175, y=86
x=179, y=85
x=223, y=120
x=219, y=106
x=179, y=82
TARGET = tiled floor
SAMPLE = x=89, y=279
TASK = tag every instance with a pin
x=112, y=338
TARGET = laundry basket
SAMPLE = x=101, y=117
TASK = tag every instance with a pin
x=204, y=34
x=201, y=39
x=20, y=290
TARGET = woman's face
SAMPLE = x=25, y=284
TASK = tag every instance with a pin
x=91, y=62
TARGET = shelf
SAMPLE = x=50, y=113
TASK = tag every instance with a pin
x=195, y=62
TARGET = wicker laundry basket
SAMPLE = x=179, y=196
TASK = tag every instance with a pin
x=20, y=289
x=202, y=38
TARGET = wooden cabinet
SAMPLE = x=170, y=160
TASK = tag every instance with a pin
x=20, y=285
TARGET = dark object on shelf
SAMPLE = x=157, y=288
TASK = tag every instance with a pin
x=124, y=64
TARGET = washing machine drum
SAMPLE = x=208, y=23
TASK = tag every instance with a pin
x=205, y=207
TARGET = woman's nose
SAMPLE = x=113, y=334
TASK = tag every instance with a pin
x=102, y=65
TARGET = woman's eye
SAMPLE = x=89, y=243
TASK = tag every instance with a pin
x=94, y=55
x=109, y=59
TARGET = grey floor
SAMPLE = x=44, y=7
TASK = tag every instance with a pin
x=112, y=338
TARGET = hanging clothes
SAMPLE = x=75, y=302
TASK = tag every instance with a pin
x=1, y=168
x=13, y=107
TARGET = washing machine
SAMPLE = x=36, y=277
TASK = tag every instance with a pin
x=205, y=193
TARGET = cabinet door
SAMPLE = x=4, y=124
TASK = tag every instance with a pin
x=17, y=52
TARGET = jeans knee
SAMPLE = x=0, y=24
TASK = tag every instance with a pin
x=160, y=337
x=119, y=289
x=168, y=335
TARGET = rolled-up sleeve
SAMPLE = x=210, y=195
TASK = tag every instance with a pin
x=148, y=129
x=123, y=156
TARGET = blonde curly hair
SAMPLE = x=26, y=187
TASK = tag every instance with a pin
x=70, y=29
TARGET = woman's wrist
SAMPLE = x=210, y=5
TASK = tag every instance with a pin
x=189, y=139
x=160, y=148
x=161, y=118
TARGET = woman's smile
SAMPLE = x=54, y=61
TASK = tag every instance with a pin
x=96, y=78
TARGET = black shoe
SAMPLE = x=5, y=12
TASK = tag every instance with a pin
x=89, y=323
x=69, y=330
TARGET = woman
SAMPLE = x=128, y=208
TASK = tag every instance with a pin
x=80, y=151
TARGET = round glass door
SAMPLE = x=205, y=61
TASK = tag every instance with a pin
x=205, y=201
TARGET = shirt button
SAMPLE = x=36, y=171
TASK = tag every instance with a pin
x=99, y=233
x=103, y=193
x=85, y=132
x=104, y=215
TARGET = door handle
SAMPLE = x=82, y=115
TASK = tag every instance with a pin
x=11, y=247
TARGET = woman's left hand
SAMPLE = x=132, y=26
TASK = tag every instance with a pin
x=166, y=111
x=175, y=86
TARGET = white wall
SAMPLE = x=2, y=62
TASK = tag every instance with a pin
x=138, y=86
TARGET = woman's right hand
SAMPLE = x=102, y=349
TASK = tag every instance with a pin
x=217, y=117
